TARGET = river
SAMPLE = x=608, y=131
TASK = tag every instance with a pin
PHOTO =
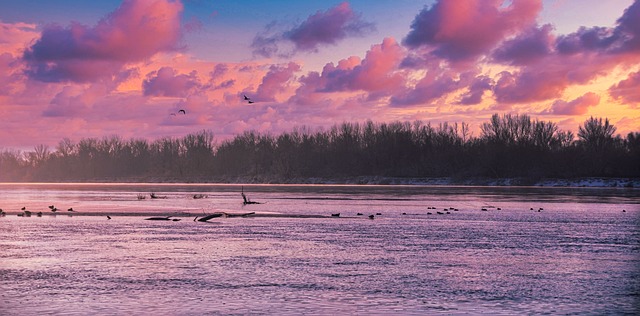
x=493, y=250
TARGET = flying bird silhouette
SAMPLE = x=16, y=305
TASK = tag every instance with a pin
x=248, y=99
x=182, y=111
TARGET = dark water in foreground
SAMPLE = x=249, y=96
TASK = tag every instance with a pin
x=580, y=255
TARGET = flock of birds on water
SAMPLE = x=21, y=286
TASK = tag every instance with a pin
x=26, y=213
x=246, y=201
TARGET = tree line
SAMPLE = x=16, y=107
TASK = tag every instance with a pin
x=509, y=146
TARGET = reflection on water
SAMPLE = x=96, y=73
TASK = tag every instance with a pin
x=579, y=255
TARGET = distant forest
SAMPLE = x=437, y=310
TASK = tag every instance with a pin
x=509, y=146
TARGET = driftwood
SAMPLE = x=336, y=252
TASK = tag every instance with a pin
x=168, y=218
x=208, y=217
x=224, y=214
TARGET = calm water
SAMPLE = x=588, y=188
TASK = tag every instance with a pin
x=579, y=255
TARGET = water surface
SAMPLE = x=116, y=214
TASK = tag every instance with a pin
x=546, y=251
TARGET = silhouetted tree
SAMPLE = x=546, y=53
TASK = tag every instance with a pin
x=508, y=146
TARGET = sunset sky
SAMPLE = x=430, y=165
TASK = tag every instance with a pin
x=76, y=69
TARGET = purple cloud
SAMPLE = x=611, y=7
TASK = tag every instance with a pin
x=529, y=46
x=321, y=28
x=627, y=90
x=135, y=31
x=629, y=28
x=434, y=85
x=463, y=30
x=68, y=102
x=476, y=90
x=624, y=38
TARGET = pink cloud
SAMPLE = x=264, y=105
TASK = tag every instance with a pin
x=548, y=77
x=137, y=30
x=627, y=90
x=14, y=35
x=166, y=82
x=377, y=70
x=321, y=28
x=529, y=86
x=77, y=100
x=66, y=103
x=579, y=106
x=463, y=30
x=434, y=85
x=376, y=73
x=274, y=82
x=10, y=74
x=197, y=109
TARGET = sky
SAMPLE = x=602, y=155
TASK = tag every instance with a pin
x=76, y=69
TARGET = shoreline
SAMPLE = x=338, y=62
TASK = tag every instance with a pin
x=590, y=182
